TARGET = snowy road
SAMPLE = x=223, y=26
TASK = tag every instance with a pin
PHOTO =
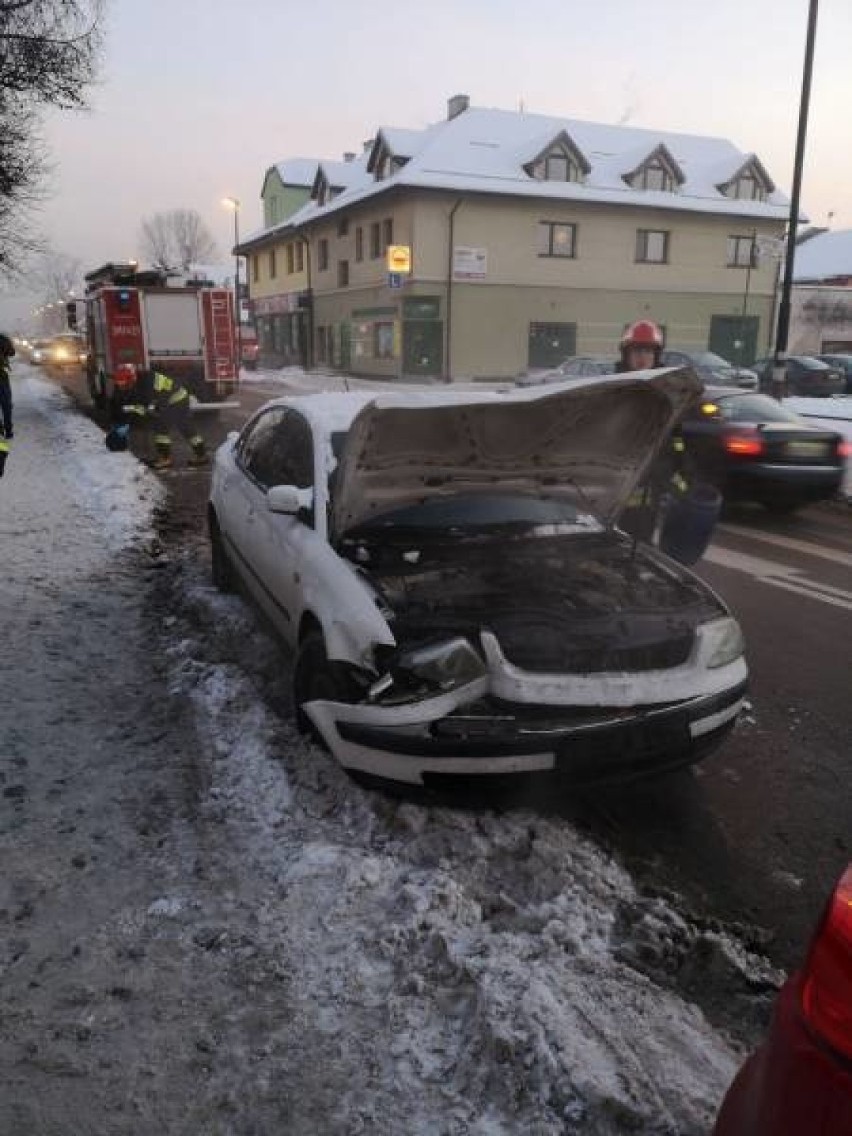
x=208, y=928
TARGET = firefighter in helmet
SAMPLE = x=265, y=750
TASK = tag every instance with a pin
x=641, y=347
x=670, y=484
x=164, y=403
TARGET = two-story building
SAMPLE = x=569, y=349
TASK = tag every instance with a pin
x=530, y=239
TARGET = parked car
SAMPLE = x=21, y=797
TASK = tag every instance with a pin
x=574, y=367
x=800, y=1079
x=842, y=363
x=712, y=368
x=806, y=376
x=752, y=448
x=447, y=567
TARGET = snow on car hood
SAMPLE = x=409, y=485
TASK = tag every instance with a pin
x=588, y=441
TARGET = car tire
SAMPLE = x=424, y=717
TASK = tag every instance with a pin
x=315, y=676
x=221, y=569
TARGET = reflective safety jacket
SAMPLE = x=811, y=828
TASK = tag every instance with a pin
x=669, y=474
x=5, y=450
x=155, y=393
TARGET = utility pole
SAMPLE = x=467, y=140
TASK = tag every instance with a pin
x=779, y=369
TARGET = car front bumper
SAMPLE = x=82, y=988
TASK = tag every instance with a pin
x=469, y=733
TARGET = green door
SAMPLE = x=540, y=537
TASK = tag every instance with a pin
x=345, y=346
x=551, y=343
x=735, y=338
x=422, y=347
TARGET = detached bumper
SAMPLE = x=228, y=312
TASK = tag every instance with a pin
x=466, y=733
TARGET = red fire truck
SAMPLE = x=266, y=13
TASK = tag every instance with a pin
x=184, y=329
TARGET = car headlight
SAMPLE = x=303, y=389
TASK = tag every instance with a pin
x=723, y=642
x=434, y=669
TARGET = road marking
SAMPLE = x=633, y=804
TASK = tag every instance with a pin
x=790, y=543
x=779, y=576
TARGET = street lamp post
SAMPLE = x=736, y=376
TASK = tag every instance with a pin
x=779, y=369
x=233, y=203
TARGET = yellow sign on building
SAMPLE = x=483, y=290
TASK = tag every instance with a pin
x=399, y=258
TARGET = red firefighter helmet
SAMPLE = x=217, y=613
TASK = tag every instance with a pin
x=124, y=375
x=642, y=333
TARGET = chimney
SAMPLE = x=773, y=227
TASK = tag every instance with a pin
x=457, y=105
x=349, y=156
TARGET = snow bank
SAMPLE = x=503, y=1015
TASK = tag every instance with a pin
x=478, y=972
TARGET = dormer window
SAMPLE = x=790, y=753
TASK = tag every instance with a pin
x=655, y=176
x=388, y=164
x=659, y=172
x=561, y=161
x=748, y=187
x=751, y=182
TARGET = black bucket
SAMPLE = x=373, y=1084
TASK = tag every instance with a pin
x=689, y=523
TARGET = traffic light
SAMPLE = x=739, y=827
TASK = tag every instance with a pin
x=71, y=314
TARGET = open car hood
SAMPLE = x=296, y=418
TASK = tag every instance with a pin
x=587, y=441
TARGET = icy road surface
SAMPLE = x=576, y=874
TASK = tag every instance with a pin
x=207, y=928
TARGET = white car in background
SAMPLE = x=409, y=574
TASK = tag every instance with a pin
x=447, y=569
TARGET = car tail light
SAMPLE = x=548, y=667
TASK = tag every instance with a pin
x=844, y=449
x=827, y=977
x=744, y=445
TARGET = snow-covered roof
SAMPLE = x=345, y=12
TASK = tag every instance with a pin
x=485, y=150
x=482, y=151
x=297, y=171
x=824, y=257
x=343, y=175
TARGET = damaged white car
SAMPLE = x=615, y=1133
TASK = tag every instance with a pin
x=448, y=569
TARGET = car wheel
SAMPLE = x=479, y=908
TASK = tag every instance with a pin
x=220, y=566
x=315, y=677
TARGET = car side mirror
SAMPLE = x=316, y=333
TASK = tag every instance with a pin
x=289, y=500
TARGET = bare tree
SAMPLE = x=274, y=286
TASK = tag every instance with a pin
x=177, y=239
x=60, y=276
x=48, y=54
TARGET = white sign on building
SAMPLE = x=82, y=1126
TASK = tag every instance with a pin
x=469, y=263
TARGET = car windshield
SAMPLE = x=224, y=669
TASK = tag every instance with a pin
x=755, y=408
x=482, y=511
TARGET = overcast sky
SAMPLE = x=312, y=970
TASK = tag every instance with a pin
x=198, y=97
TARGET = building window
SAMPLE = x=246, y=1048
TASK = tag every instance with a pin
x=343, y=274
x=748, y=187
x=385, y=166
x=375, y=240
x=291, y=259
x=343, y=227
x=273, y=269
x=387, y=233
x=359, y=243
x=383, y=340
x=322, y=255
x=654, y=176
x=652, y=246
x=557, y=239
x=255, y=269
x=300, y=256
x=742, y=252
